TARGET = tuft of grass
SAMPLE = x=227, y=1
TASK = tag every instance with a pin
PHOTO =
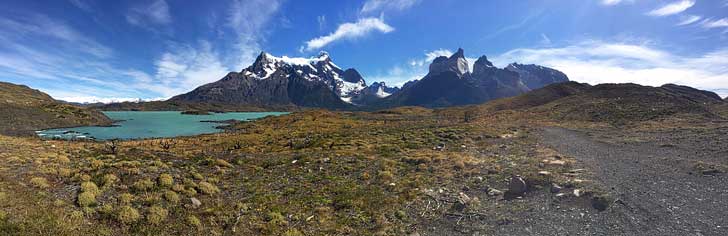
x=126, y=198
x=165, y=180
x=86, y=199
x=193, y=221
x=207, y=188
x=171, y=196
x=127, y=215
x=90, y=187
x=156, y=215
x=223, y=163
x=39, y=182
x=143, y=185
x=292, y=232
x=109, y=180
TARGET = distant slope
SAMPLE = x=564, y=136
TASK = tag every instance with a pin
x=623, y=103
x=23, y=110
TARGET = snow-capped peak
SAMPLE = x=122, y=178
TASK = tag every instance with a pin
x=345, y=84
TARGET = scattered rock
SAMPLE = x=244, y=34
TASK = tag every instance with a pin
x=556, y=163
x=517, y=186
x=601, y=202
x=195, y=202
x=710, y=172
x=462, y=202
x=494, y=192
x=555, y=188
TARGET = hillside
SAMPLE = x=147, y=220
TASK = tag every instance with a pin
x=24, y=110
x=615, y=104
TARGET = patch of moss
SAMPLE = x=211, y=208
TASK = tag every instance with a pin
x=171, y=196
x=207, y=188
x=39, y=182
x=165, y=180
x=86, y=199
x=127, y=215
x=193, y=221
x=156, y=215
x=125, y=198
x=90, y=187
x=143, y=185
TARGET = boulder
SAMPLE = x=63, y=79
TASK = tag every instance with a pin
x=517, y=186
x=195, y=202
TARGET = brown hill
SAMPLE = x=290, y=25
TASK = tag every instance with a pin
x=23, y=110
x=625, y=103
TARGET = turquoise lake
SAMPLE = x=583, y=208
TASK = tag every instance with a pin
x=152, y=124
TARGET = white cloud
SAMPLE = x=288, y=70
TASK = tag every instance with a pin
x=184, y=68
x=414, y=69
x=709, y=23
x=354, y=30
x=613, y=2
x=686, y=20
x=376, y=6
x=597, y=62
x=156, y=13
x=248, y=20
x=672, y=8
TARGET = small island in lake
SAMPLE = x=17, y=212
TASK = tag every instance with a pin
x=196, y=112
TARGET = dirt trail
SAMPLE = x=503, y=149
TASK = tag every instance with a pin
x=658, y=190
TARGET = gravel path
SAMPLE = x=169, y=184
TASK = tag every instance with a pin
x=658, y=191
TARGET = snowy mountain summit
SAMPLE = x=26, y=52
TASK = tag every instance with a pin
x=285, y=81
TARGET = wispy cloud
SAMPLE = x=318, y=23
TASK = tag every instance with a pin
x=81, y=4
x=686, y=20
x=248, y=19
x=35, y=25
x=614, y=2
x=720, y=23
x=354, y=30
x=378, y=6
x=672, y=8
x=597, y=62
x=321, y=22
x=526, y=21
x=156, y=13
x=184, y=68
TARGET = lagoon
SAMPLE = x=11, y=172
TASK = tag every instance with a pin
x=152, y=124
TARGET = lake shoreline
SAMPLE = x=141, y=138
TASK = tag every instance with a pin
x=139, y=125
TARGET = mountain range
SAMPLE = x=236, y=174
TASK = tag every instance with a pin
x=283, y=82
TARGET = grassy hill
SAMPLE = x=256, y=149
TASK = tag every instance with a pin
x=23, y=110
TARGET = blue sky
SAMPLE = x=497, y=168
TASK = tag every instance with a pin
x=85, y=50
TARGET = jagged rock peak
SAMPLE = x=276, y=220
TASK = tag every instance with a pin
x=351, y=75
x=455, y=63
x=459, y=54
x=482, y=65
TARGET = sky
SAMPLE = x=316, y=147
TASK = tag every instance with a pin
x=89, y=51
